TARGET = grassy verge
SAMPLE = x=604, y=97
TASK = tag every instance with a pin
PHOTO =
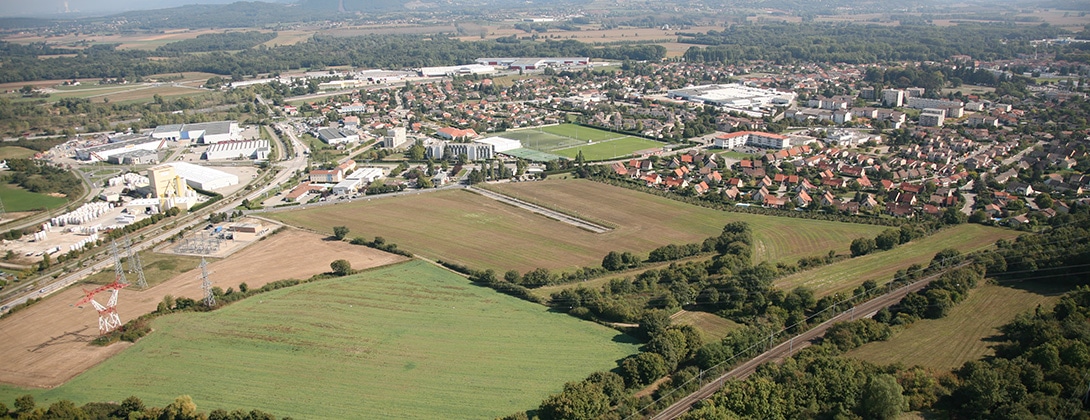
x=963, y=335
x=881, y=266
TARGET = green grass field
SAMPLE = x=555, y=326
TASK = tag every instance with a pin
x=409, y=341
x=713, y=326
x=18, y=199
x=568, y=139
x=603, y=150
x=15, y=152
x=880, y=266
x=466, y=228
x=947, y=343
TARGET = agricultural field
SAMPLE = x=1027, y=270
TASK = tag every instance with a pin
x=128, y=93
x=964, y=334
x=16, y=152
x=466, y=228
x=713, y=326
x=158, y=268
x=17, y=199
x=403, y=341
x=46, y=345
x=567, y=140
x=846, y=275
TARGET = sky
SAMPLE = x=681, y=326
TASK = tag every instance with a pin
x=56, y=8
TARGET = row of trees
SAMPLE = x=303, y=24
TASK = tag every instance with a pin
x=22, y=63
x=182, y=408
x=858, y=44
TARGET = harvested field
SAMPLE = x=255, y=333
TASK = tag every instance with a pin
x=407, y=341
x=845, y=275
x=466, y=228
x=47, y=344
x=964, y=334
x=713, y=326
x=16, y=152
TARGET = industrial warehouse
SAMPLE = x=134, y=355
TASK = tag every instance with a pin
x=257, y=150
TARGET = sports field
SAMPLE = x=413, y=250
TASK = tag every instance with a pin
x=963, y=335
x=463, y=227
x=846, y=275
x=568, y=139
x=18, y=199
x=405, y=341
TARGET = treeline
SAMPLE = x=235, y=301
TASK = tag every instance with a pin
x=183, y=408
x=228, y=41
x=858, y=44
x=1038, y=371
x=39, y=177
x=22, y=63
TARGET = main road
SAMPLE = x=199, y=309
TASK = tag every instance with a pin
x=787, y=348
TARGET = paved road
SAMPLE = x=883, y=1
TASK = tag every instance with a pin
x=786, y=349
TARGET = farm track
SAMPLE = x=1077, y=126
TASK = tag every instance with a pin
x=788, y=348
x=555, y=215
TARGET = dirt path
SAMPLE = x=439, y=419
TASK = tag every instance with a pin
x=47, y=344
x=555, y=215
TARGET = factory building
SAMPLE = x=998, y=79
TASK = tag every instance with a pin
x=251, y=149
x=202, y=177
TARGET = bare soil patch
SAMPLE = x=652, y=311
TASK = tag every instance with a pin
x=47, y=344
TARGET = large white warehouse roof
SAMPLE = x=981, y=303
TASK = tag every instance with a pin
x=202, y=177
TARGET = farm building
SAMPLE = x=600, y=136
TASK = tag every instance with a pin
x=203, y=178
x=251, y=149
x=500, y=144
x=334, y=136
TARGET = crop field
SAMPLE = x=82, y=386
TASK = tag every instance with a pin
x=845, y=275
x=713, y=326
x=467, y=228
x=410, y=340
x=18, y=199
x=963, y=335
x=15, y=152
x=157, y=268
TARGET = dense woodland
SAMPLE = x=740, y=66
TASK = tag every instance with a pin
x=1034, y=376
x=22, y=63
x=857, y=44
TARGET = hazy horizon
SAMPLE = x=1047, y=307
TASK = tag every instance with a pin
x=79, y=8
